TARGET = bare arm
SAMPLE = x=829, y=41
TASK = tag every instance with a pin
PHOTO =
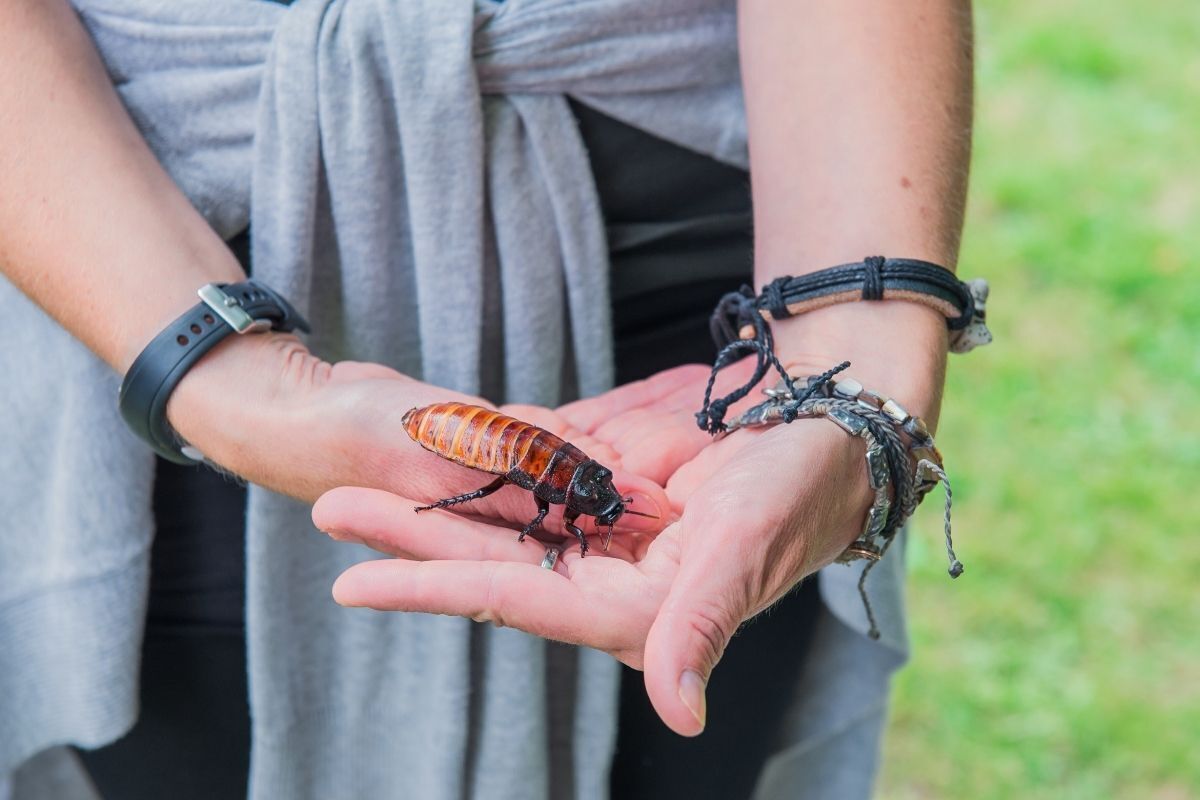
x=91, y=227
x=94, y=231
x=860, y=117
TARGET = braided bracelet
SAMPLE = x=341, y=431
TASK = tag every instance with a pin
x=963, y=304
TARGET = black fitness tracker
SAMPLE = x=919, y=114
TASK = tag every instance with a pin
x=224, y=308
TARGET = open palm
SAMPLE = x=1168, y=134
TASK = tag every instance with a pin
x=643, y=429
x=756, y=512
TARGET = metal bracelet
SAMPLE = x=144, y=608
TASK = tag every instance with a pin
x=870, y=542
x=921, y=445
x=920, y=441
x=928, y=468
x=908, y=462
x=835, y=401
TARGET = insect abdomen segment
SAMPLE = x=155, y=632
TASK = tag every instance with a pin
x=484, y=439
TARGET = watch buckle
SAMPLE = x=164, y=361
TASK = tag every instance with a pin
x=228, y=308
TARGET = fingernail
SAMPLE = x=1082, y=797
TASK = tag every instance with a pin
x=342, y=536
x=691, y=692
x=338, y=595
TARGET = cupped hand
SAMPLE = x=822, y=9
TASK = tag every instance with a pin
x=759, y=510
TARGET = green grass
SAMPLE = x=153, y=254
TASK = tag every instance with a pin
x=1065, y=663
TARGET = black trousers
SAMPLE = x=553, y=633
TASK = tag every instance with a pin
x=679, y=230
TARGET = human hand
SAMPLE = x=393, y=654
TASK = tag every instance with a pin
x=665, y=604
x=266, y=409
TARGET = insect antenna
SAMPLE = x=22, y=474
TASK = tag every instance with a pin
x=627, y=501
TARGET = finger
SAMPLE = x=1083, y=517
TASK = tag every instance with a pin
x=654, y=443
x=388, y=523
x=690, y=398
x=521, y=596
x=645, y=497
x=701, y=613
x=589, y=413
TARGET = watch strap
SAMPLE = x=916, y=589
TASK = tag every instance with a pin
x=224, y=309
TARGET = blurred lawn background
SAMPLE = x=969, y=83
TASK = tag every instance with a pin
x=1065, y=663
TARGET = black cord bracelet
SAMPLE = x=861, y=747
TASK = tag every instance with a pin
x=963, y=304
x=223, y=309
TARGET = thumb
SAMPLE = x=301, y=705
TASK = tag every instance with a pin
x=703, y=610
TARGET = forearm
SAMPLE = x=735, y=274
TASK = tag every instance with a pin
x=91, y=227
x=859, y=116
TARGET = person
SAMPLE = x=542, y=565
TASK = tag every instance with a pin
x=412, y=178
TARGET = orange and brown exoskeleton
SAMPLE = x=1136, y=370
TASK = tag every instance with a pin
x=555, y=471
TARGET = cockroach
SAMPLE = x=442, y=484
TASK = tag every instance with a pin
x=533, y=458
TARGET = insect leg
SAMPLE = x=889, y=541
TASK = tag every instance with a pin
x=463, y=498
x=543, y=510
x=569, y=517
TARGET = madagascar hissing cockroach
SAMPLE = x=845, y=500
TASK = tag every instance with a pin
x=555, y=471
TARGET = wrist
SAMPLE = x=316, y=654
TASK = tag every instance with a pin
x=163, y=302
x=895, y=347
x=146, y=389
x=219, y=405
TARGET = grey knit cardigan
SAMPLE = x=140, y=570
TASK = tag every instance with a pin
x=417, y=186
